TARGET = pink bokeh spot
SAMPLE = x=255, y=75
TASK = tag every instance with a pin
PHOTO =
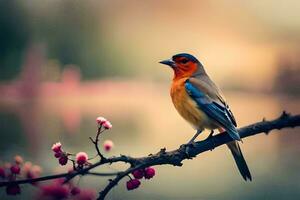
x=108, y=145
x=2, y=172
x=13, y=189
x=75, y=191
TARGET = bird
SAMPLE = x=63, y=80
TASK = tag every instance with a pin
x=201, y=103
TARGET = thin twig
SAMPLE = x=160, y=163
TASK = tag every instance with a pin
x=96, y=141
x=33, y=180
x=103, y=174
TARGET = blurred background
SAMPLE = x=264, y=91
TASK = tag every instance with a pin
x=63, y=63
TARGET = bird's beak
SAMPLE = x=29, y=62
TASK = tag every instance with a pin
x=168, y=62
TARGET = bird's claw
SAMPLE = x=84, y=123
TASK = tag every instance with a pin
x=188, y=146
x=191, y=144
x=186, y=152
x=210, y=135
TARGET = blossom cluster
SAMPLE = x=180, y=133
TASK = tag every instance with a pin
x=60, y=188
x=57, y=190
x=60, y=154
x=146, y=173
x=10, y=171
x=102, y=122
x=81, y=158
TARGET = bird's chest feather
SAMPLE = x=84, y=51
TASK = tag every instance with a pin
x=187, y=107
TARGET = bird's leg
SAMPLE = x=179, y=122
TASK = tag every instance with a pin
x=191, y=143
x=210, y=135
x=195, y=136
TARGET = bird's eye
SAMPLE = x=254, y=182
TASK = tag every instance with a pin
x=184, y=61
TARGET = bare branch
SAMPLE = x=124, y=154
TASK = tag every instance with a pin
x=189, y=151
x=164, y=157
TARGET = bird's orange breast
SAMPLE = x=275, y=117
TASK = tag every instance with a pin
x=187, y=107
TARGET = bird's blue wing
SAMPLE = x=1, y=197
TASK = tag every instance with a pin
x=212, y=109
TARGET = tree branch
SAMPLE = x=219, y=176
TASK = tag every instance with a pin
x=164, y=157
x=189, y=151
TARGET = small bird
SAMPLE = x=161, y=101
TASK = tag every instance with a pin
x=200, y=102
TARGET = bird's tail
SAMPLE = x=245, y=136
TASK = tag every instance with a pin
x=239, y=159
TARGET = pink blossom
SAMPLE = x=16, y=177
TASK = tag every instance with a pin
x=129, y=185
x=107, y=125
x=100, y=120
x=31, y=171
x=81, y=158
x=149, y=172
x=138, y=174
x=63, y=160
x=18, y=159
x=15, y=169
x=13, y=189
x=57, y=154
x=132, y=184
x=108, y=145
x=56, y=148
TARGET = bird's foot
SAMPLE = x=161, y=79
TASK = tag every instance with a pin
x=194, y=137
x=210, y=136
x=187, y=148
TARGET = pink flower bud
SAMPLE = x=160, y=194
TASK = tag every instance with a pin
x=15, y=169
x=2, y=172
x=133, y=184
x=13, y=189
x=136, y=183
x=107, y=125
x=149, y=172
x=100, y=120
x=75, y=190
x=108, y=145
x=63, y=160
x=138, y=174
x=18, y=159
x=81, y=158
x=56, y=148
x=129, y=185
x=57, y=154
